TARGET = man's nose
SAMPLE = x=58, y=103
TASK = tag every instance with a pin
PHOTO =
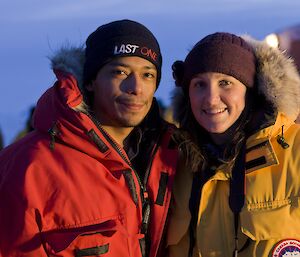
x=133, y=84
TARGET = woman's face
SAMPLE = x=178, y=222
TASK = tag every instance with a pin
x=217, y=100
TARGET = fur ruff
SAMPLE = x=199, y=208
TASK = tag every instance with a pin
x=71, y=59
x=278, y=78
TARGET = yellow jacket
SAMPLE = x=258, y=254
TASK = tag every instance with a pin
x=271, y=213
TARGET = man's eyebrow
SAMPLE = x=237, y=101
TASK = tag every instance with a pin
x=152, y=67
x=118, y=63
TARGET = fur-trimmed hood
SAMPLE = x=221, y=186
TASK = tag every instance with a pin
x=58, y=102
x=277, y=79
x=71, y=60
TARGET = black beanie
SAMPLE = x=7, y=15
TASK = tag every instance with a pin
x=116, y=39
x=219, y=52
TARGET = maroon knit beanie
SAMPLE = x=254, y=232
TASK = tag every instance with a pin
x=219, y=52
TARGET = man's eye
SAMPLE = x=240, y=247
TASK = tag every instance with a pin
x=118, y=72
x=224, y=83
x=149, y=75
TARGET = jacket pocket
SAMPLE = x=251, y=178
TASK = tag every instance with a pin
x=108, y=238
x=272, y=219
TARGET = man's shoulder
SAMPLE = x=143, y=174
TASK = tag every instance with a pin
x=16, y=157
x=33, y=141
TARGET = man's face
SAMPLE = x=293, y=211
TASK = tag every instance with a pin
x=123, y=91
x=217, y=100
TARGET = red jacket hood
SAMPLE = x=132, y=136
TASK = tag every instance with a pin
x=56, y=116
x=58, y=102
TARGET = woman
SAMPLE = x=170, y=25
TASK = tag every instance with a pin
x=237, y=190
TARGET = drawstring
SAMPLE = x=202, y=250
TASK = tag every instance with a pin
x=237, y=193
x=281, y=140
x=194, y=203
x=236, y=239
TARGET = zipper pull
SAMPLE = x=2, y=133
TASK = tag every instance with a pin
x=146, y=213
x=281, y=140
x=53, y=132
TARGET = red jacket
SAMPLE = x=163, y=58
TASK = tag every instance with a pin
x=66, y=191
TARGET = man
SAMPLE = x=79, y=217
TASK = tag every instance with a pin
x=95, y=176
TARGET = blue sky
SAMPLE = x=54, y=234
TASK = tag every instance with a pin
x=32, y=30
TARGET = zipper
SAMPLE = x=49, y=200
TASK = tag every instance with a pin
x=146, y=203
x=145, y=208
x=120, y=152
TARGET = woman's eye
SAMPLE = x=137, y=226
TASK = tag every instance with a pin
x=199, y=84
x=224, y=83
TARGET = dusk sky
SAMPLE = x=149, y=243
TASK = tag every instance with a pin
x=32, y=30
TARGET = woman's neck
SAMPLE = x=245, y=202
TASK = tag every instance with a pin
x=222, y=138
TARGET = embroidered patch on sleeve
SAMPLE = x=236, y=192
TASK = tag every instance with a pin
x=287, y=248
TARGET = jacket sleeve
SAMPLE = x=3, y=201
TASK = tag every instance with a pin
x=19, y=232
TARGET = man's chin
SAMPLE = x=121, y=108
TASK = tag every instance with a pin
x=131, y=123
